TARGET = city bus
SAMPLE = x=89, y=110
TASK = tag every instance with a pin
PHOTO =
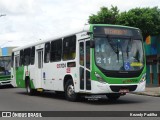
x=100, y=59
x=5, y=70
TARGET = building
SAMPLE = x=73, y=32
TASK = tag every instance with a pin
x=152, y=51
x=6, y=51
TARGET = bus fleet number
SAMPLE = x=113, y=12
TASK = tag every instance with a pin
x=100, y=60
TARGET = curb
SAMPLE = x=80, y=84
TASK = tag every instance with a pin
x=146, y=94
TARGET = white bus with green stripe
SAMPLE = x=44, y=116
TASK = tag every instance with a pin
x=100, y=59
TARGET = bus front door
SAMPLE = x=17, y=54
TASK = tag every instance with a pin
x=84, y=63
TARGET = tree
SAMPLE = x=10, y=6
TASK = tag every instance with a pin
x=147, y=19
x=105, y=16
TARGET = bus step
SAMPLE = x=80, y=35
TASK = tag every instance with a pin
x=40, y=90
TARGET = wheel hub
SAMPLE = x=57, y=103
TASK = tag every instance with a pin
x=70, y=90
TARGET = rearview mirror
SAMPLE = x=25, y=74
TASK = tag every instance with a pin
x=92, y=44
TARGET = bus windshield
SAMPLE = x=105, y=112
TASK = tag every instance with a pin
x=5, y=65
x=118, y=54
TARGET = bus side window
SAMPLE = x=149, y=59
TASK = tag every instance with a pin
x=32, y=55
x=21, y=58
x=81, y=51
x=12, y=59
x=27, y=56
x=73, y=48
x=56, y=50
x=69, y=48
x=47, y=53
x=17, y=61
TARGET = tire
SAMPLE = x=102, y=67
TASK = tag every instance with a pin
x=29, y=90
x=113, y=96
x=69, y=91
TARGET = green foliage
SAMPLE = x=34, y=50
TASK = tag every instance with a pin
x=147, y=19
x=105, y=16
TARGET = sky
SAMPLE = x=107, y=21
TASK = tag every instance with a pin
x=27, y=21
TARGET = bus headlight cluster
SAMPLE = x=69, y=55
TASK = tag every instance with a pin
x=100, y=79
x=143, y=78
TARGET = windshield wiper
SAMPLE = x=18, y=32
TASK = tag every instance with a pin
x=114, y=47
x=117, y=52
x=129, y=49
x=127, y=52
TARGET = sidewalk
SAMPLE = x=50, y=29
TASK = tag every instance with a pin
x=151, y=91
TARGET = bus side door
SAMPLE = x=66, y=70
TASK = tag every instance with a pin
x=39, y=67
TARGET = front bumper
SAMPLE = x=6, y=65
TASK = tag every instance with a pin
x=7, y=82
x=102, y=88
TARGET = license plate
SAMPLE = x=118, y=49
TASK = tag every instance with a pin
x=124, y=91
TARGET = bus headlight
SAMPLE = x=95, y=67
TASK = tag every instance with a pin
x=100, y=79
x=143, y=78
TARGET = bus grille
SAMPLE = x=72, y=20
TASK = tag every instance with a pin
x=118, y=88
x=6, y=82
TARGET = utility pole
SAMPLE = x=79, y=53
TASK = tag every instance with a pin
x=1, y=15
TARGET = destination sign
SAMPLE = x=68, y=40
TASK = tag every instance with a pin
x=108, y=30
x=112, y=31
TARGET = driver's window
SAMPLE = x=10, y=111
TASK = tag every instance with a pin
x=81, y=53
x=88, y=54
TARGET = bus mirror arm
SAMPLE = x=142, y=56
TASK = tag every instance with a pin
x=92, y=44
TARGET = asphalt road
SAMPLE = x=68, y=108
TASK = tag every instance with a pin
x=16, y=99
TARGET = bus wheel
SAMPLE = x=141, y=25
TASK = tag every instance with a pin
x=29, y=90
x=113, y=96
x=70, y=92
